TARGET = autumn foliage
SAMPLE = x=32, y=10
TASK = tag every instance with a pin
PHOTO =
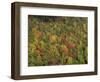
x=56, y=40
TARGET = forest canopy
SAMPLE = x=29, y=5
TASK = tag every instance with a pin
x=57, y=40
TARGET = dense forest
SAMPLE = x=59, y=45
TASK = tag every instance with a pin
x=57, y=40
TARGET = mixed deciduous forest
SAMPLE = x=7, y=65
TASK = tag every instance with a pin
x=57, y=40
